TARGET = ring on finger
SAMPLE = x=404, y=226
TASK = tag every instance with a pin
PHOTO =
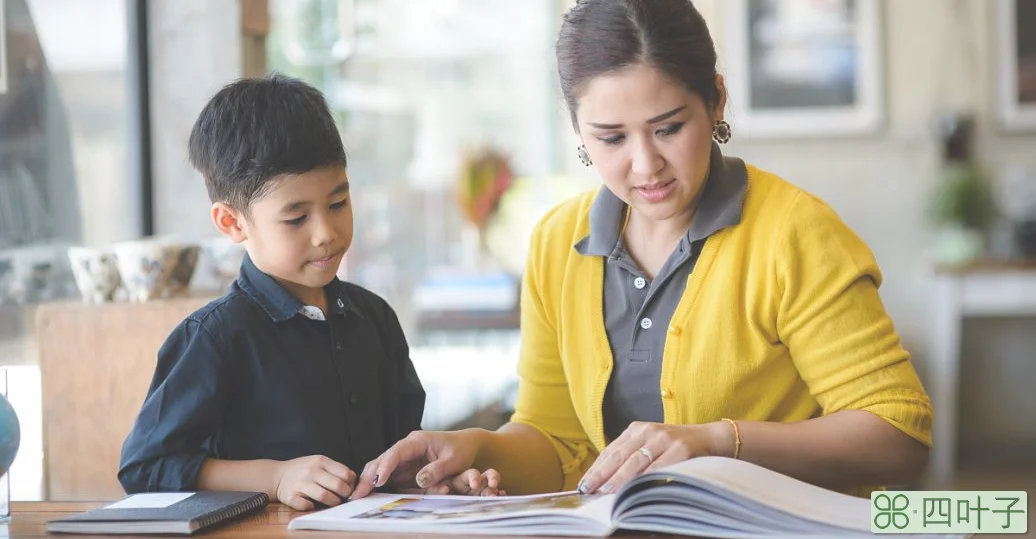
x=647, y=453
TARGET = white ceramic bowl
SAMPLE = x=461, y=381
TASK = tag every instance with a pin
x=144, y=266
x=96, y=273
x=183, y=261
x=35, y=273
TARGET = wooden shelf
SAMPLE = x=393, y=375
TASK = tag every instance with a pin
x=990, y=265
x=96, y=362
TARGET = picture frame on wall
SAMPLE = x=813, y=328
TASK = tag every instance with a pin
x=1015, y=63
x=804, y=68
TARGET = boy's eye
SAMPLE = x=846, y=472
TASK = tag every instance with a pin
x=296, y=222
x=339, y=205
x=669, y=129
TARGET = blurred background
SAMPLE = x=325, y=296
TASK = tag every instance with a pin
x=915, y=120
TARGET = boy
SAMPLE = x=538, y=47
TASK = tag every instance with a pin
x=293, y=380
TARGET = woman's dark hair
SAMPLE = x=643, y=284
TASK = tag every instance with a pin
x=604, y=36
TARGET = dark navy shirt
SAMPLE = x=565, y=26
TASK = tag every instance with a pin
x=250, y=377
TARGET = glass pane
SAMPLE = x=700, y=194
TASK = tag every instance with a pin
x=65, y=174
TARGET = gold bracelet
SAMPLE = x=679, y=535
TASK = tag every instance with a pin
x=737, y=436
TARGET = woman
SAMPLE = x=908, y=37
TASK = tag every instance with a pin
x=694, y=305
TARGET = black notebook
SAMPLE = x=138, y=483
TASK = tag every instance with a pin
x=162, y=512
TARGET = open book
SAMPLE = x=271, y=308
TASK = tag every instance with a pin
x=706, y=497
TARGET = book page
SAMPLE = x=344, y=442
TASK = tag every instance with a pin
x=786, y=494
x=383, y=512
x=151, y=500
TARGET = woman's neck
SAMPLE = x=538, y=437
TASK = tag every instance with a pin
x=644, y=231
x=650, y=242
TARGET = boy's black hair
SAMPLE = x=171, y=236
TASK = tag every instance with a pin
x=254, y=130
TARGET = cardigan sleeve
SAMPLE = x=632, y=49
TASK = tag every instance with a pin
x=544, y=398
x=831, y=317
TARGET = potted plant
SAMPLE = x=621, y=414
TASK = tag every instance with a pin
x=962, y=206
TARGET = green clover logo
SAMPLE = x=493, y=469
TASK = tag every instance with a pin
x=891, y=511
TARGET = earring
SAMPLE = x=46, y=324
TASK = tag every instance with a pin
x=584, y=156
x=721, y=132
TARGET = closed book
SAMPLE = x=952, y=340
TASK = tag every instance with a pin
x=162, y=513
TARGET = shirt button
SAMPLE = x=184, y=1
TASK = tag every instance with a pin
x=674, y=330
x=645, y=323
x=354, y=399
x=338, y=346
x=639, y=282
x=667, y=393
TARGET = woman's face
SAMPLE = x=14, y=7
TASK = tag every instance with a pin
x=649, y=138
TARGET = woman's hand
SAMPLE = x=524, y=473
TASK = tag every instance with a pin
x=422, y=460
x=647, y=446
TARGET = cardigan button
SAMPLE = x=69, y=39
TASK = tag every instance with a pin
x=667, y=393
x=675, y=330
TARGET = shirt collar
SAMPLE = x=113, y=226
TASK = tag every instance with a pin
x=279, y=304
x=719, y=208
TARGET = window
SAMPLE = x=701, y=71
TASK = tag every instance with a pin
x=67, y=154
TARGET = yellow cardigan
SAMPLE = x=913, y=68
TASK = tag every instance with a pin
x=780, y=321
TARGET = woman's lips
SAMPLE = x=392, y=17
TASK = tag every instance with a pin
x=658, y=192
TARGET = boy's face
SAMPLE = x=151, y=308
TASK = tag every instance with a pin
x=299, y=231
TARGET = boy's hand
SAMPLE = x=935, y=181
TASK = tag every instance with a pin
x=468, y=483
x=305, y=480
x=474, y=483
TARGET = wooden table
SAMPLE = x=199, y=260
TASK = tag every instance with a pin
x=29, y=519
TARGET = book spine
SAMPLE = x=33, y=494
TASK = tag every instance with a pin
x=230, y=513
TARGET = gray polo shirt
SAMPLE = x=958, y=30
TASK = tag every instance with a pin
x=637, y=309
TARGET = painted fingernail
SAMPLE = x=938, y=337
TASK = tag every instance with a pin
x=376, y=477
x=423, y=479
x=607, y=488
x=584, y=487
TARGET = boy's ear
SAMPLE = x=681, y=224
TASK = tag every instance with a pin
x=229, y=222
